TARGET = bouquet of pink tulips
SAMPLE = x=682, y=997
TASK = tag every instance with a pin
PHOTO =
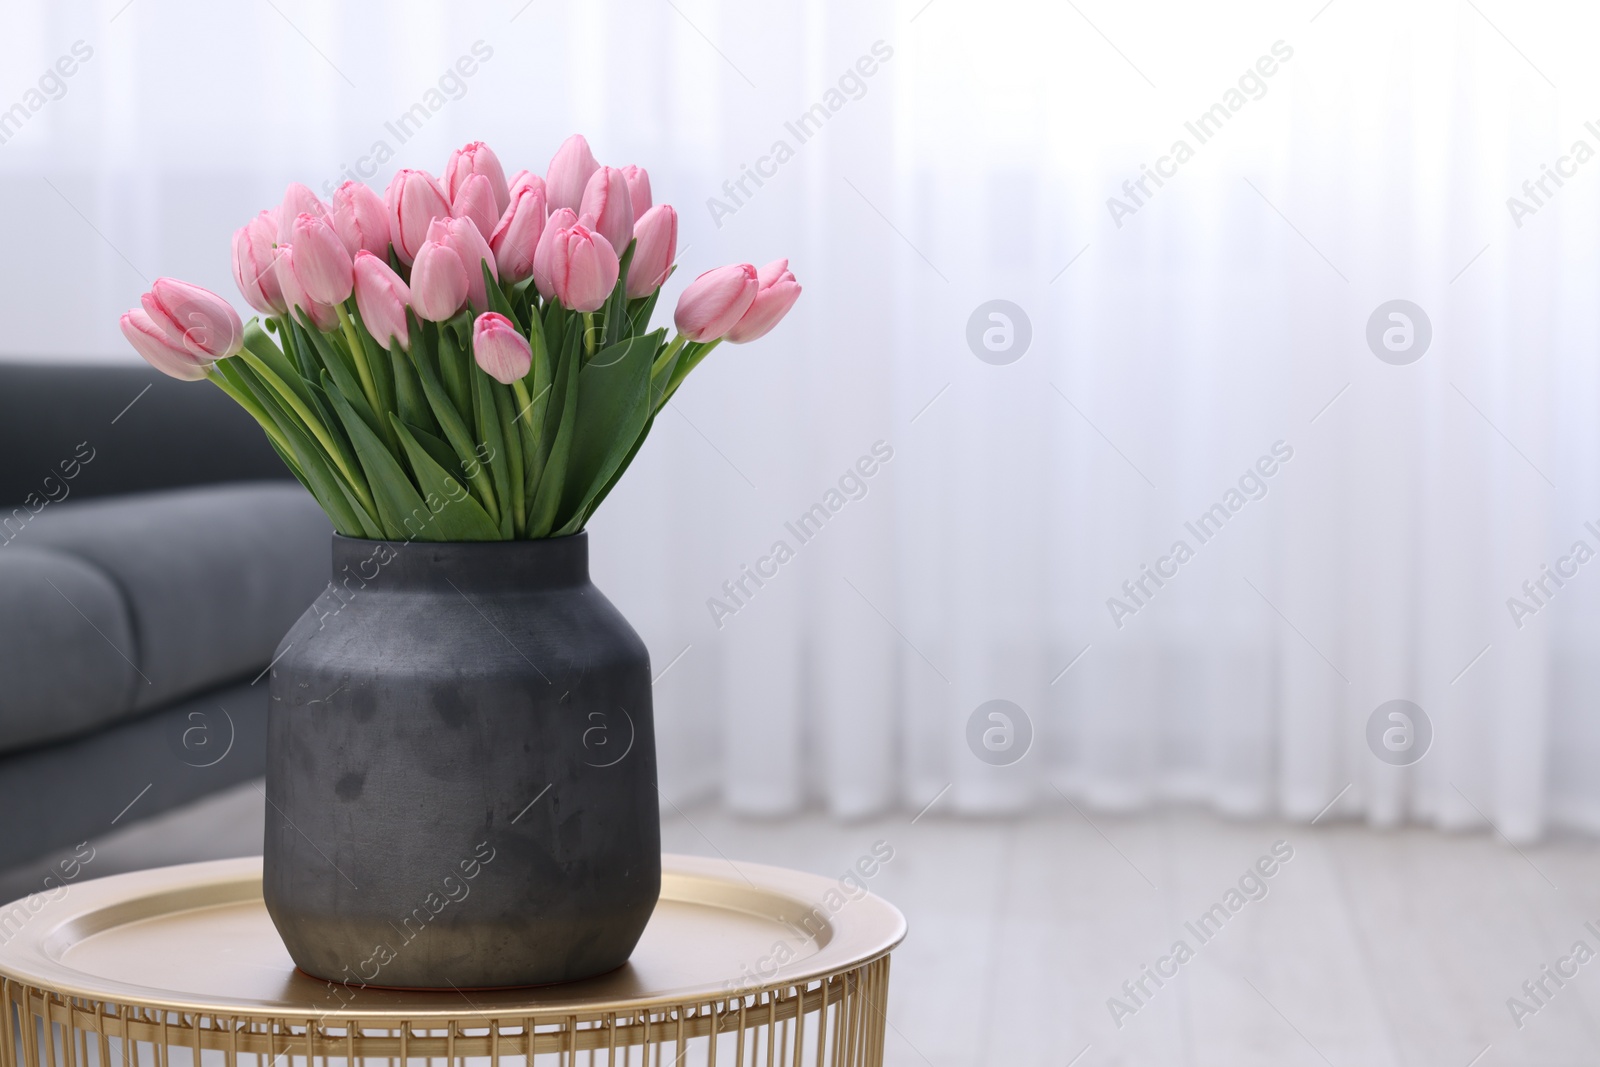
x=461, y=360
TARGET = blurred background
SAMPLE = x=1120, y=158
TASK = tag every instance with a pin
x=1306, y=288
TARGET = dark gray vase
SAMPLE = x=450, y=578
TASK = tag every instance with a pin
x=461, y=773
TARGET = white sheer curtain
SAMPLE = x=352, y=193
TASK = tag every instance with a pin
x=1173, y=345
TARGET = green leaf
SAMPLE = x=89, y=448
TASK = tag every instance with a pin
x=547, y=498
x=397, y=499
x=493, y=441
x=615, y=386
x=594, y=505
x=410, y=403
x=640, y=310
x=303, y=358
x=455, y=368
x=497, y=296
x=506, y=410
x=461, y=518
x=344, y=381
x=348, y=517
x=616, y=307
x=262, y=346
x=377, y=358
x=437, y=447
x=460, y=438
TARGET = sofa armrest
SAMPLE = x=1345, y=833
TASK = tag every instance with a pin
x=90, y=430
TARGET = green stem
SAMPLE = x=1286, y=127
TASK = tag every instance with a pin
x=358, y=352
x=312, y=423
x=665, y=358
x=248, y=402
x=588, y=333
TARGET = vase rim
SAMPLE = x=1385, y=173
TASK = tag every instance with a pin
x=485, y=566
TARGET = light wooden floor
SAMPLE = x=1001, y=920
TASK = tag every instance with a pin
x=1369, y=949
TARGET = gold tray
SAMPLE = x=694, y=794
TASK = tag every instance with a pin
x=197, y=938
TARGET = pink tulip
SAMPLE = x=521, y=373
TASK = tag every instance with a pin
x=526, y=179
x=463, y=238
x=776, y=294
x=322, y=316
x=438, y=282
x=475, y=201
x=477, y=158
x=360, y=219
x=608, y=207
x=638, y=189
x=297, y=200
x=253, y=257
x=656, y=237
x=381, y=297
x=517, y=235
x=413, y=200
x=715, y=301
x=560, y=219
x=320, y=261
x=150, y=342
x=500, y=348
x=583, y=268
x=193, y=318
x=569, y=173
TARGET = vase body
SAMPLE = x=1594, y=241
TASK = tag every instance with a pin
x=461, y=770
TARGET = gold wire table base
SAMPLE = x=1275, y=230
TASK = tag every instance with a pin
x=180, y=967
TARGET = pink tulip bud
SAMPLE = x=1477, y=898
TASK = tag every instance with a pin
x=413, y=200
x=583, y=268
x=527, y=179
x=715, y=301
x=321, y=263
x=195, y=319
x=438, y=282
x=322, y=316
x=474, y=201
x=500, y=348
x=381, y=297
x=775, y=295
x=638, y=189
x=560, y=219
x=150, y=342
x=253, y=257
x=515, y=238
x=360, y=219
x=297, y=200
x=608, y=206
x=656, y=237
x=463, y=238
x=477, y=158
x=569, y=173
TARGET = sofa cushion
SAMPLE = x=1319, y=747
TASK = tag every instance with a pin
x=211, y=578
x=66, y=647
x=83, y=788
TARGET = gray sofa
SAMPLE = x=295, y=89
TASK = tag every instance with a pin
x=153, y=550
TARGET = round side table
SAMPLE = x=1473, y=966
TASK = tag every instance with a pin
x=746, y=965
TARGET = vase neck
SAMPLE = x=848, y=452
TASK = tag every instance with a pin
x=466, y=566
